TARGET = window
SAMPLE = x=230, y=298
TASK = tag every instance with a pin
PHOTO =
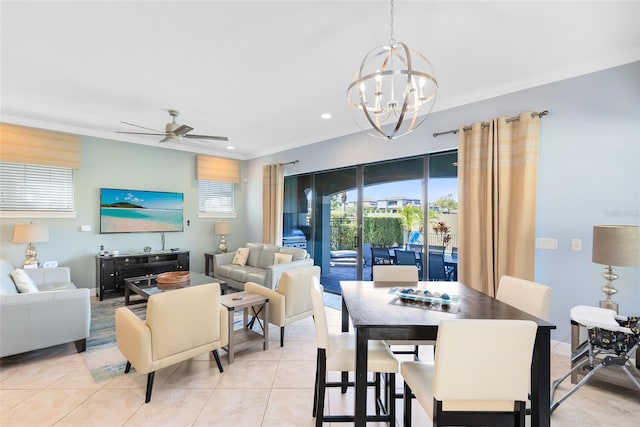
x=216, y=199
x=34, y=189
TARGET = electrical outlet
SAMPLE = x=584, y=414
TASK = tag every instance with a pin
x=576, y=245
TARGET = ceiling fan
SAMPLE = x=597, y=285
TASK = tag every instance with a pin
x=173, y=131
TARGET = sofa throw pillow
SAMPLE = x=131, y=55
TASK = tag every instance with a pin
x=23, y=282
x=240, y=258
x=282, y=258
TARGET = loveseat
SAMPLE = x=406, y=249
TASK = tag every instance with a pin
x=260, y=265
x=55, y=312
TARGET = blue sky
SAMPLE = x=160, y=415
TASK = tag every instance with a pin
x=438, y=187
x=148, y=199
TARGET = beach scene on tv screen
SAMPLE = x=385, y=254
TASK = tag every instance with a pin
x=133, y=211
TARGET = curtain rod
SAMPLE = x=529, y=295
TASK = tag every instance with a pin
x=485, y=124
x=293, y=162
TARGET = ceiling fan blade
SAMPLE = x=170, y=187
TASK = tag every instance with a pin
x=216, y=138
x=141, y=127
x=142, y=133
x=182, y=129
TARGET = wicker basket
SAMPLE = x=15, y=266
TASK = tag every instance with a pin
x=173, y=280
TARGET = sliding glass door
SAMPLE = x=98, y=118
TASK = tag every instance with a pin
x=395, y=205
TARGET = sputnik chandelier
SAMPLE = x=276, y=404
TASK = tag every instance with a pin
x=394, y=89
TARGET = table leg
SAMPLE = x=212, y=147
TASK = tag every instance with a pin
x=541, y=380
x=265, y=327
x=362, y=336
x=127, y=294
x=230, y=348
x=344, y=379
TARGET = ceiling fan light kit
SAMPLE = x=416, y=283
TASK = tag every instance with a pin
x=392, y=87
x=174, y=131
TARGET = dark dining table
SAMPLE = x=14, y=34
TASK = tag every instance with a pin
x=377, y=315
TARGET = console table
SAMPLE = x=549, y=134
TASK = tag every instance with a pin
x=111, y=270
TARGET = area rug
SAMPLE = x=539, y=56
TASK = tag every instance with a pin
x=102, y=356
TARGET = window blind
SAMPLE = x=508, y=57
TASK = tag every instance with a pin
x=218, y=169
x=19, y=144
x=26, y=187
x=216, y=197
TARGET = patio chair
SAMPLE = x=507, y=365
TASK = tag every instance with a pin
x=615, y=337
x=408, y=258
x=437, y=271
x=380, y=256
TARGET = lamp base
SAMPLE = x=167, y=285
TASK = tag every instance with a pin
x=610, y=305
x=31, y=257
x=222, y=248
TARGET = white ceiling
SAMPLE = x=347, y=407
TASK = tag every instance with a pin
x=262, y=72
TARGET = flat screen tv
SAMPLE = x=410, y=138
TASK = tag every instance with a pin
x=138, y=211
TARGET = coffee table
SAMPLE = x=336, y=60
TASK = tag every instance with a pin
x=245, y=301
x=145, y=286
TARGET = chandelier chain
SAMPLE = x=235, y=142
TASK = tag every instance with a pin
x=392, y=41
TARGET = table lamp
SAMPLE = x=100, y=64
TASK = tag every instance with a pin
x=30, y=234
x=615, y=245
x=222, y=229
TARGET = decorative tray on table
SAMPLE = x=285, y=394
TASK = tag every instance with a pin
x=425, y=299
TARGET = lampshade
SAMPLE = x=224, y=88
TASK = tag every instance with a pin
x=616, y=245
x=30, y=233
x=222, y=228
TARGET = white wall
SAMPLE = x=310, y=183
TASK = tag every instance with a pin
x=589, y=173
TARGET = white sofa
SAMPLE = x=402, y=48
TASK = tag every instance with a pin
x=260, y=267
x=56, y=314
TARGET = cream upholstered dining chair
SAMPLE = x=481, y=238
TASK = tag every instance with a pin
x=400, y=274
x=337, y=352
x=180, y=324
x=490, y=391
x=525, y=295
x=291, y=300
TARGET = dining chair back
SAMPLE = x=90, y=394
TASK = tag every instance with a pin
x=525, y=295
x=400, y=274
x=437, y=271
x=490, y=391
x=337, y=352
x=395, y=273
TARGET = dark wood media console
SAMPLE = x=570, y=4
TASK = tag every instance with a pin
x=111, y=270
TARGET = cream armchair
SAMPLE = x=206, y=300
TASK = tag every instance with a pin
x=291, y=300
x=179, y=325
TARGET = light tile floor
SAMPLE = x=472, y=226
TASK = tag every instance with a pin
x=261, y=388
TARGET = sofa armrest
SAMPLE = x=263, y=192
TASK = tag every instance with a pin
x=275, y=271
x=222, y=259
x=43, y=276
x=133, y=338
x=276, y=302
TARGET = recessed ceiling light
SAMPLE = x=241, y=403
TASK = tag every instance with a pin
x=230, y=147
x=325, y=116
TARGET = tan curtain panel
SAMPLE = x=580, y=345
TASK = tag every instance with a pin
x=497, y=175
x=19, y=144
x=218, y=169
x=272, y=203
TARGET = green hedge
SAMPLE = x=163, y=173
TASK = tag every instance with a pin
x=379, y=231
